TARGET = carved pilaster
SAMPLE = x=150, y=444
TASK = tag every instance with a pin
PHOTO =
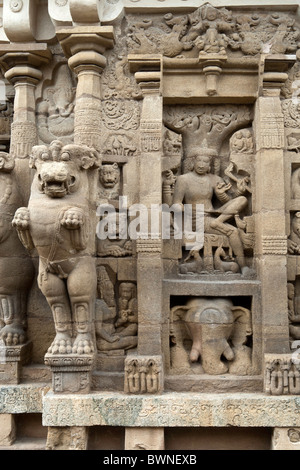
x=84, y=47
x=269, y=205
x=22, y=65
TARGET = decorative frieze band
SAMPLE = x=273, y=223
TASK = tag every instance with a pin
x=274, y=245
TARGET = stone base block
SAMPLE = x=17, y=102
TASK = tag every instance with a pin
x=7, y=429
x=67, y=438
x=11, y=360
x=144, y=439
x=70, y=373
x=282, y=374
x=143, y=374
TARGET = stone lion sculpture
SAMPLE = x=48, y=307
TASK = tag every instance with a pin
x=56, y=224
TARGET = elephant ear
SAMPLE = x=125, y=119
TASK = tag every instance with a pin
x=178, y=312
x=242, y=325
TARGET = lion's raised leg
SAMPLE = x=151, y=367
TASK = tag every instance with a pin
x=12, y=312
x=54, y=289
x=82, y=285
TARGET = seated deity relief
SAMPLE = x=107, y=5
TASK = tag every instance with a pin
x=116, y=321
x=55, y=113
x=16, y=268
x=211, y=336
x=224, y=202
x=56, y=224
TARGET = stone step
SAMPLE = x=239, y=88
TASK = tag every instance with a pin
x=26, y=443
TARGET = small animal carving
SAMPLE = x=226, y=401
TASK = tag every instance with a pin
x=224, y=263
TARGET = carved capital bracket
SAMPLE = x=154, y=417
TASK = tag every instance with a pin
x=143, y=374
x=84, y=47
x=274, y=70
x=212, y=69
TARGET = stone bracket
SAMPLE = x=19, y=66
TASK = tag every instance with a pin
x=70, y=373
x=143, y=374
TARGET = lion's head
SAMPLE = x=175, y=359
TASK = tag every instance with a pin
x=109, y=175
x=58, y=166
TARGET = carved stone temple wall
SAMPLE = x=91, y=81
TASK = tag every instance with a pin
x=150, y=224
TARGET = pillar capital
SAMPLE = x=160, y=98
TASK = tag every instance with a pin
x=84, y=46
x=26, y=58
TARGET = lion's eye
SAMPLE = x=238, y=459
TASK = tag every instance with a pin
x=65, y=157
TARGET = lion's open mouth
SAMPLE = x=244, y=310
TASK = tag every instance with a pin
x=55, y=188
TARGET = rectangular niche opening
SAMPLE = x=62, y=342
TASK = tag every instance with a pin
x=212, y=343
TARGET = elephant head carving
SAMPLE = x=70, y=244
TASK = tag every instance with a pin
x=219, y=331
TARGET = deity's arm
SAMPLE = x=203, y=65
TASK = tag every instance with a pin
x=220, y=189
x=179, y=190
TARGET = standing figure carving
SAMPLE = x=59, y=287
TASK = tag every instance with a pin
x=56, y=224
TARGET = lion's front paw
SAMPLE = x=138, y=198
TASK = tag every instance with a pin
x=13, y=335
x=73, y=218
x=83, y=344
x=61, y=345
x=21, y=219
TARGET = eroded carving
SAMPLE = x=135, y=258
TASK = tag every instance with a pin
x=294, y=238
x=16, y=271
x=116, y=328
x=211, y=30
x=143, y=374
x=282, y=374
x=55, y=113
x=219, y=331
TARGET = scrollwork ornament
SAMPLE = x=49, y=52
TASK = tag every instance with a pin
x=16, y=5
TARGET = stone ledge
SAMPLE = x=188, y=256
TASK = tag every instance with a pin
x=171, y=409
x=16, y=399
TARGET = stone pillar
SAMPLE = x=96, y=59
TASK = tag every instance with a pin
x=7, y=429
x=144, y=439
x=67, y=438
x=84, y=47
x=269, y=208
x=22, y=65
x=149, y=245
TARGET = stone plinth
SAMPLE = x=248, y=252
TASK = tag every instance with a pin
x=70, y=373
x=171, y=410
x=11, y=360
